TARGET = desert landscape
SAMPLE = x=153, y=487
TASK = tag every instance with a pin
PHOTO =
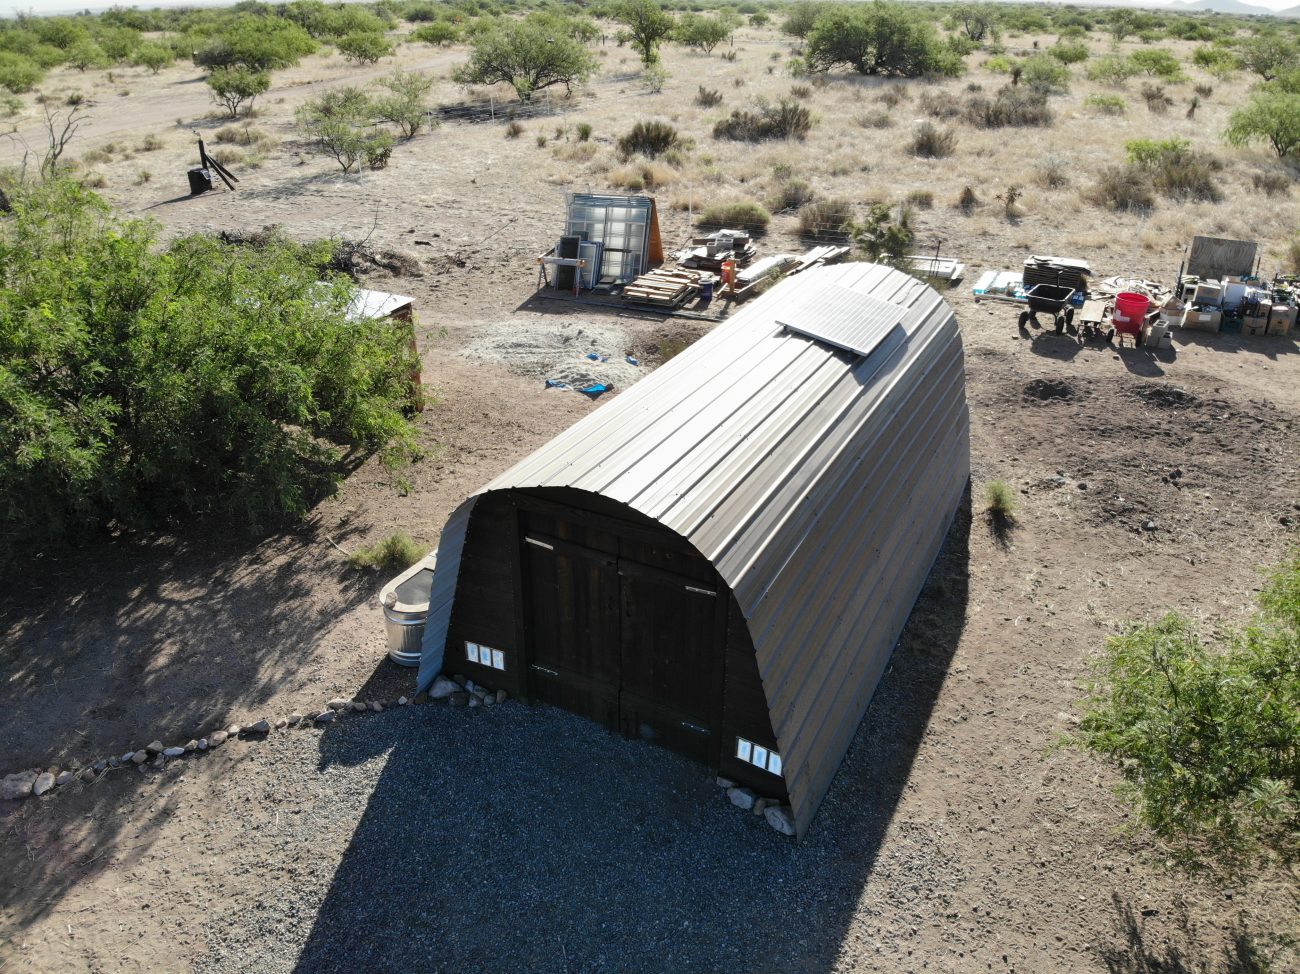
x=960, y=834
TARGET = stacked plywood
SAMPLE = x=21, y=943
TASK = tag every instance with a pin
x=663, y=287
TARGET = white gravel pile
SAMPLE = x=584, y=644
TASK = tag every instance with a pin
x=546, y=349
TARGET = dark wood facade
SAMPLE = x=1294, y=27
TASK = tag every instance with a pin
x=584, y=604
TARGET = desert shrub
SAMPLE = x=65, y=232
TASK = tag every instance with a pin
x=1111, y=69
x=999, y=501
x=1270, y=116
x=739, y=215
x=967, y=200
x=1203, y=91
x=801, y=18
x=650, y=139
x=86, y=54
x=878, y=119
x=791, y=194
x=1124, y=188
x=1044, y=73
x=583, y=131
x=168, y=382
x=364, y=47
x=339, y=124
x=155, y=57
x=1293, y=256
x=10, y=105
x=703, y=32
x=233, y=88
x=1106, y=104
x=438, y=33
x=784, y=120
x=254, y=43
x=1052, y=172
x=826, y=221
x=394, y=553
x=1218, y=61
x=1271, y=183
x=245, y=134
x=1069, y=52
x=801, y=91
x=150, y=143
x=938, y=104
x=1268, y=55
x=1018, y=107
x=514, y=130
x=1000, y=64
x=878, y=38
x=529, y=55
x=226, y=155
x=1157, y=101
x=759, y=19
x=647, y=174
x=931, y=142
x=1149, y=152
x=708, y=97
x=893, y=96
x=1158, y=63
x=882, y=236
x=19, y=74
x=406, y=104
x=922, y=199
x=1207, y=732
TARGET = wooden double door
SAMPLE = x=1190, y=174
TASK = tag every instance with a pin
x=626, y=631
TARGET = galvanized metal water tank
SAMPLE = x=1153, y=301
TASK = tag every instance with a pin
x=406, y=605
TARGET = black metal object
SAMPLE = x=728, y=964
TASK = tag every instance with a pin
x=1048, y=299
x=200, y=180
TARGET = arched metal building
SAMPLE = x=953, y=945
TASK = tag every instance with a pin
x=722, y=558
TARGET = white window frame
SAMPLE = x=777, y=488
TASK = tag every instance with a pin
x=485, y=656
x=760, y=757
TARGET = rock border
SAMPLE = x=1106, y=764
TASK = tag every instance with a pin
x=39, y=782
x=780, y=817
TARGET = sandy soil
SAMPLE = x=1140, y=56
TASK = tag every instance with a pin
x=131, y=639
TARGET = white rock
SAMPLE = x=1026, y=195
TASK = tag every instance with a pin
x=402, y=701
x=324, y=717
x=154, y=747
x=282, y=723
x=191, y=746
x=376, y=706
x=261, y=727
x=217, y=739
x=338, y=703
x=127, y=756
x=234, y=730
x=63, y=778
x=741, y=797
x=203, y=743
x=489, y=699
x=502, y=696
x=779, y=817
x=43, y=783
x=19, y=785
x=470, y=686
x=295, y=718
x=442, y=688
x=139, y=757
x=358, y=706
x=173, y=752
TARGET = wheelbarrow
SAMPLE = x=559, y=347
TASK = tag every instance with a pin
x=1048, y=299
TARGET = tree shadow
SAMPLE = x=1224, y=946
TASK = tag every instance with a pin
x=526, y=838
x=1176, y=952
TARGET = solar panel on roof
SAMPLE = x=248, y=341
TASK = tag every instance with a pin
x=841, y=317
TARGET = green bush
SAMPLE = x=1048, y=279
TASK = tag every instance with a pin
x=155, y=57
x=144, y=385
x=364, y=47
x=393, y=554
x=232, y=88
x=19, y=74
x=1000, y=64
x=1111, y=69
x=1269, y=116
x=878, y=38
x=340, y=124
x=881, y=236
x=526, y=54
x=1124, y=188
x=650, y=139
x=737, y=215
x=1106, y=104
x=407, y=103
x=1158, y=63
x=701, y=31
x=791, y=194
x=1207, y=736
x=1044, y=73
x=999, y=501
x=1218, y=61
x=439, y=33
x=255, y=43
x=1069, y=52
x=787, y=119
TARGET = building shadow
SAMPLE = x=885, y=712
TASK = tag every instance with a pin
x=1136, y=950
x=1270, y=346
x=518, y=838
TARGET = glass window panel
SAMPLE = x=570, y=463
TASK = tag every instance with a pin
x=760, y=756
x=471, y=652
x=485, y=655
x=743, y=749
x=774, y=763
x=498, y=659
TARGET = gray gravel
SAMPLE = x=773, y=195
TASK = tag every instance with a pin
x=526, y=839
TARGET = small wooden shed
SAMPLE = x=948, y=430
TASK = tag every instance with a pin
x=722, y=558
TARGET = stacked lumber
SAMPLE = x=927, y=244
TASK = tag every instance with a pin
x=663, y=288
x=820, y=256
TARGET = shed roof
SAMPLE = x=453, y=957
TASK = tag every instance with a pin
x=818, y=481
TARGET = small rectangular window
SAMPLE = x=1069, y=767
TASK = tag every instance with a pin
x=471, y=652
x=498, y=660
x=758, y=756
x=485, y=655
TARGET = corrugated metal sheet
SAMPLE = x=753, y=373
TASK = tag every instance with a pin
x=818, y=481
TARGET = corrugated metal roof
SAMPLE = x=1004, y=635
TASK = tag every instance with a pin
x=819, y=482
x=375, y=304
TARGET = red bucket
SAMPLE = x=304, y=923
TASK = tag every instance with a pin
x=1130, y=311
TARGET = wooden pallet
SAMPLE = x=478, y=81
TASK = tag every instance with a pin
x=663, y=288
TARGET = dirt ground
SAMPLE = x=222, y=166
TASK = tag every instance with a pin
x=1026, y=864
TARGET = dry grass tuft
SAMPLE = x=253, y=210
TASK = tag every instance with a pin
x=931, y=142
